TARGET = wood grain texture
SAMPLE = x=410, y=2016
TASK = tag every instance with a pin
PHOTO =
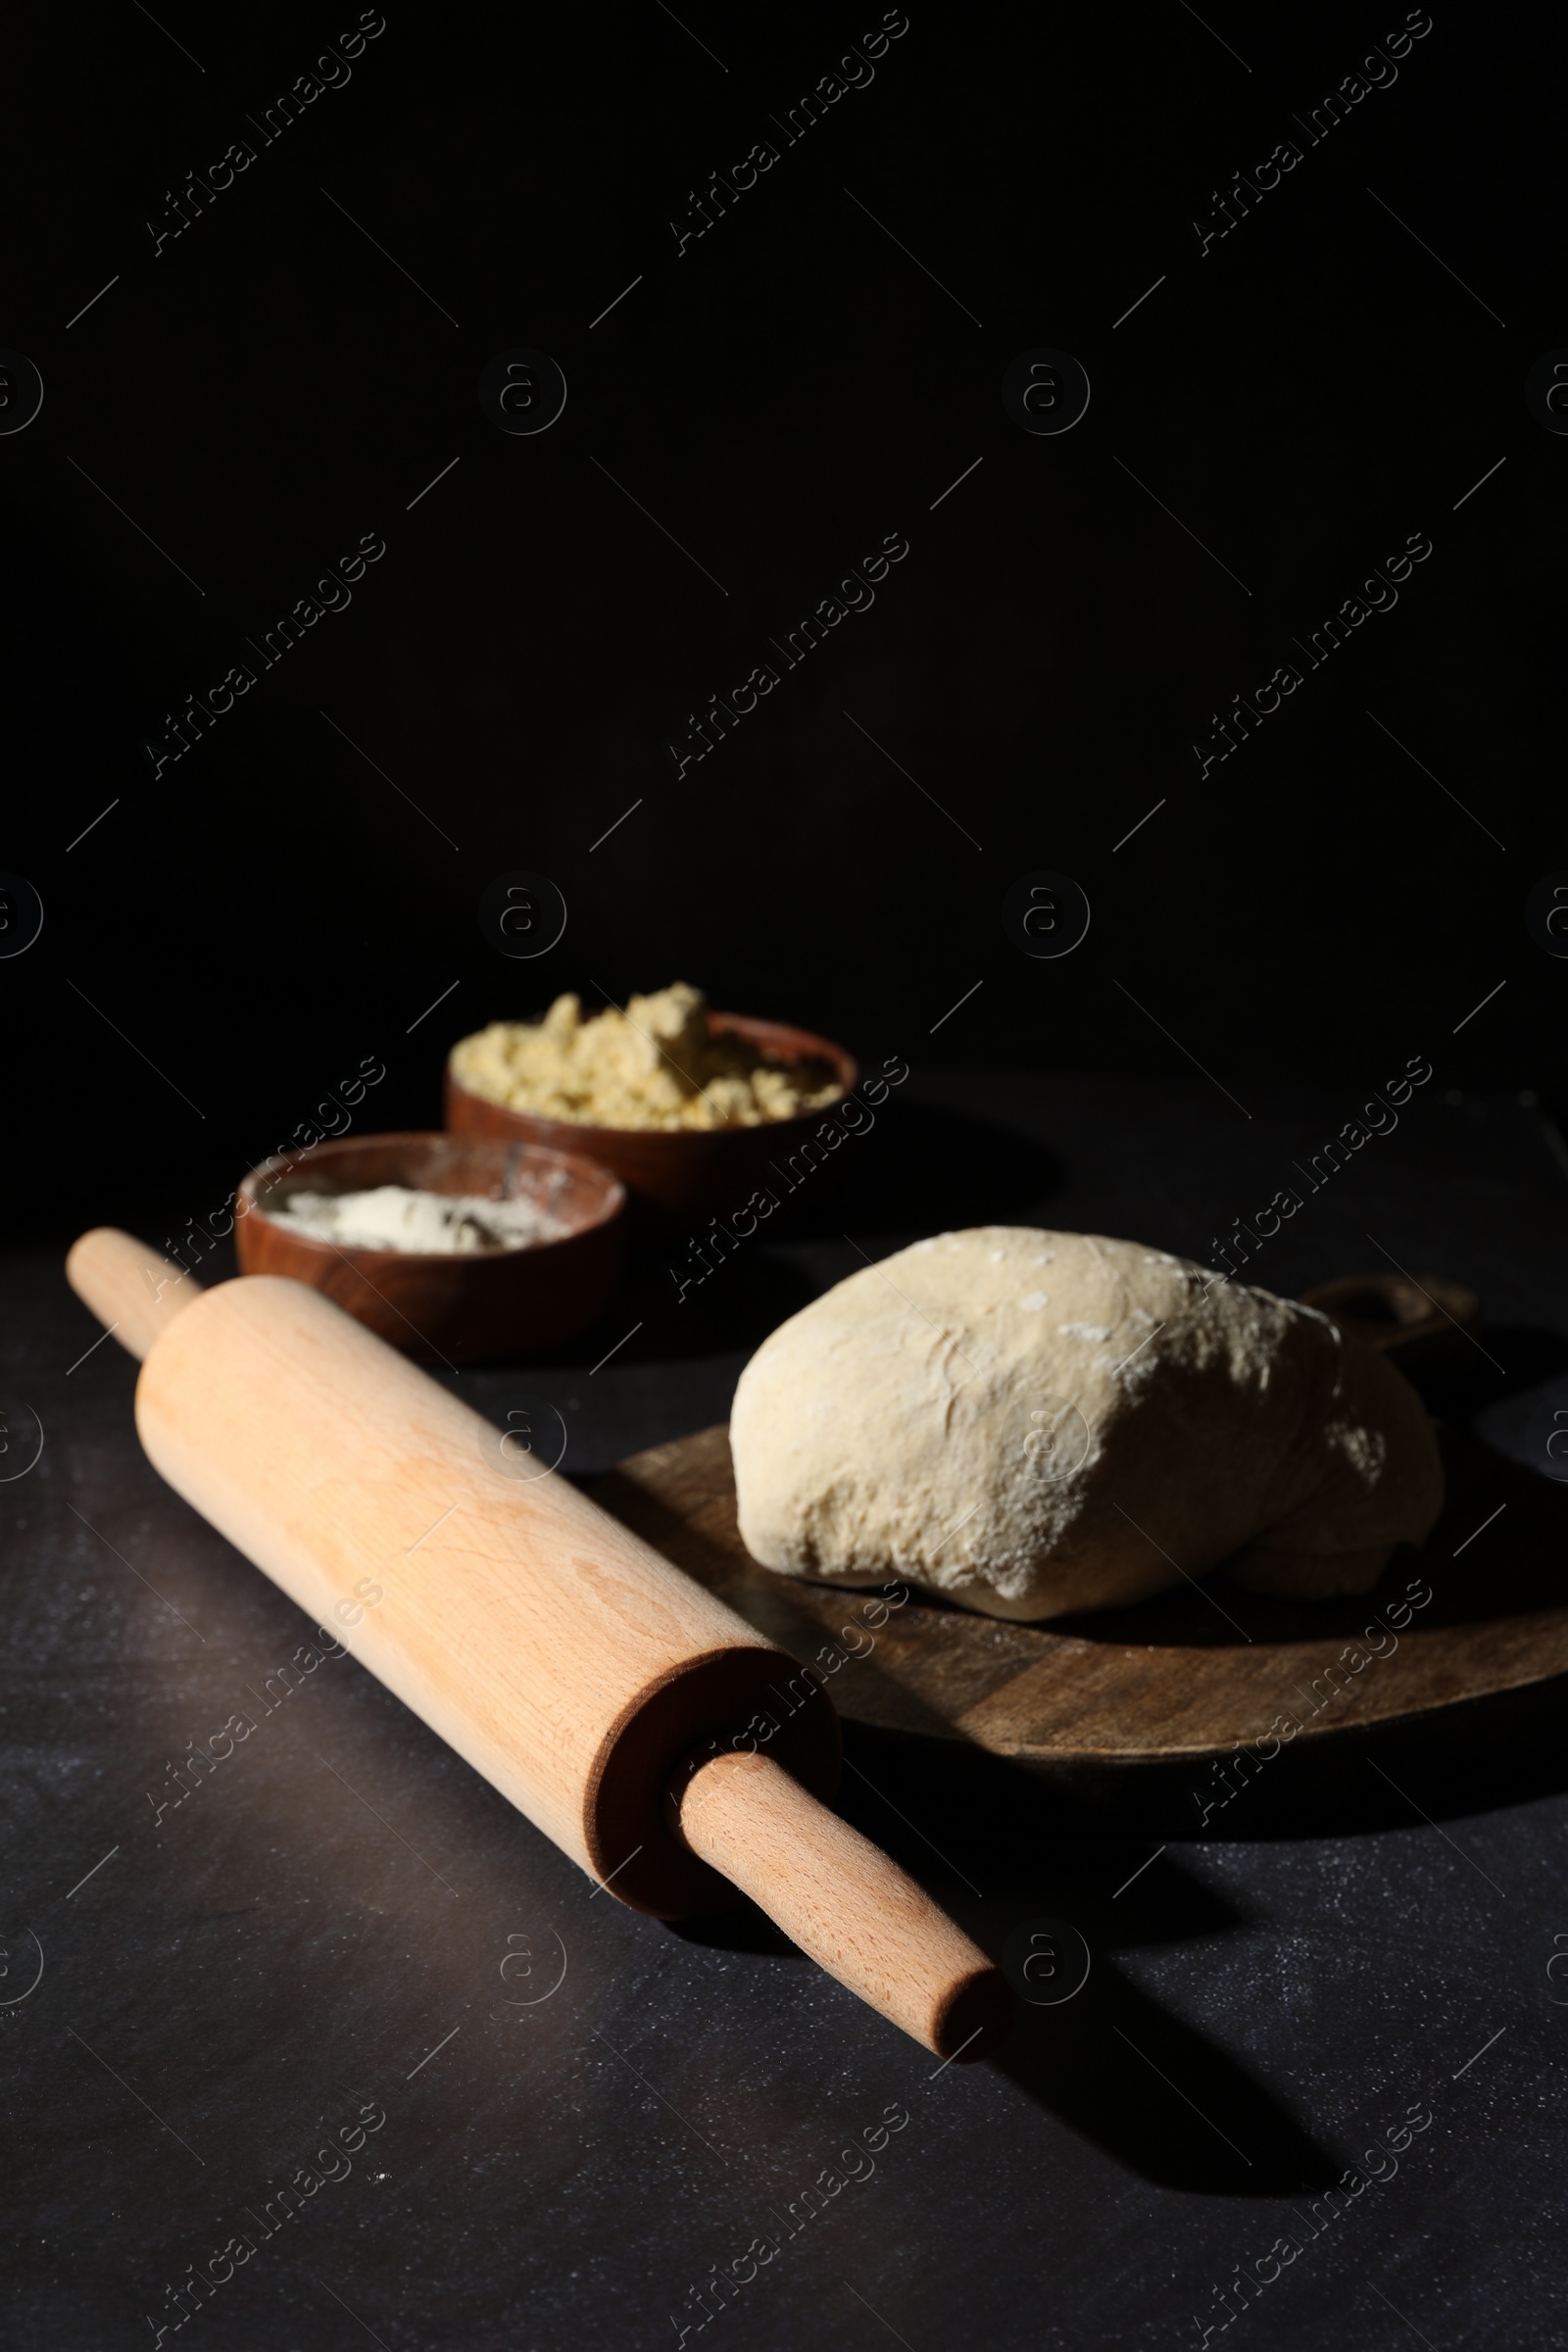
x=448, y=1306
x=552, y=1647
x=1189, y=1673
x=583, y=1676
x=843, y=1901
x=133, y=1291
x=572, y=1666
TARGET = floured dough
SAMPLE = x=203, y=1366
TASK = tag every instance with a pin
x=1032, y=1422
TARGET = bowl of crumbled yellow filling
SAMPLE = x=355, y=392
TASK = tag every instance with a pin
x=685, y=1105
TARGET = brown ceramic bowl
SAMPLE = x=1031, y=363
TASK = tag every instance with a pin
x=676, y=1174
x=452, y=1308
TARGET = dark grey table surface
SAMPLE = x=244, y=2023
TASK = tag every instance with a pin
x=515, y=2115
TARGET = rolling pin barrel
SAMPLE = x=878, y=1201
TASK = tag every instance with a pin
x=561, y=1655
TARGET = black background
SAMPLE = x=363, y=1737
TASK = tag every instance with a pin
x=780, y=395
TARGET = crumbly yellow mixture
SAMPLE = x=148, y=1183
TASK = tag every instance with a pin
x=653, y=1065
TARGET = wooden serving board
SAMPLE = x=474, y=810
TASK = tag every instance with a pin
x=1189, y=1673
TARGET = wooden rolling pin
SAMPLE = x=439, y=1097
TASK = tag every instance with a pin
x=634, y=1718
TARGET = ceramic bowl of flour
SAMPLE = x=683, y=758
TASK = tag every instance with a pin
x=453, y=1249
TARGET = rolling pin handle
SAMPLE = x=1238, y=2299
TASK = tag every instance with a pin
x=844, y=1902
x=130, y=1288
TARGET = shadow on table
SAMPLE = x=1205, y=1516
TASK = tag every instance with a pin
x=1003, y=1847
x=1128, y=2074
x=1161, y=2097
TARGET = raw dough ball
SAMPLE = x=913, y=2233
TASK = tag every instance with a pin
x=1032, y=1422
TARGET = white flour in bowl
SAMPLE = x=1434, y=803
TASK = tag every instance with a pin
x=392, y=1216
